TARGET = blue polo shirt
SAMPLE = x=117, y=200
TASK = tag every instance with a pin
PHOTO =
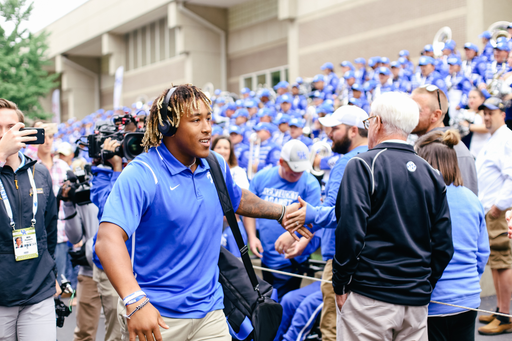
x=177, y=220
x=270, y=186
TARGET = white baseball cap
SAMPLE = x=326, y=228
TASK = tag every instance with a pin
x=347, y=114
x=65, y=149
x=296, y=154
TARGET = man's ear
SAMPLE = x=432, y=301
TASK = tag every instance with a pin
x=353, y=132
x=435, y=116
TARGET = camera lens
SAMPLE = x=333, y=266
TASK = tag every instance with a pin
x=132, y=145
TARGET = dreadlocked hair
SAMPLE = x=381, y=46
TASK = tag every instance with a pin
x=184, y=100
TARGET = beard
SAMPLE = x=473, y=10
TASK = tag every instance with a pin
x=342, y=146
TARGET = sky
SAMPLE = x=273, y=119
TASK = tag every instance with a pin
x=45, y=12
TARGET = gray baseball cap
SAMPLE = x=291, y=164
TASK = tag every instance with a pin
x=296, y=154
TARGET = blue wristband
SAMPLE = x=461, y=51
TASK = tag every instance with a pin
x=136, y=295
x=133, y=300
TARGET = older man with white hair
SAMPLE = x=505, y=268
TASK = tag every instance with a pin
x=393, y=238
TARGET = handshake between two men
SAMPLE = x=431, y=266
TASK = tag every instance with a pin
x=288, y=242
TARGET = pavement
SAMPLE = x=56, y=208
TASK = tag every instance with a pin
x=66, y=333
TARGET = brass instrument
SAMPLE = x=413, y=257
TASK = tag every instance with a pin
x=495, y=85
x=441, y=37
x=322, y=149
x=498, y=29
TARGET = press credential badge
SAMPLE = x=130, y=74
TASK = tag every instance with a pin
x=25, y=243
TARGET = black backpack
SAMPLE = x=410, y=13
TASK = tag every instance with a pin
x=245, y=297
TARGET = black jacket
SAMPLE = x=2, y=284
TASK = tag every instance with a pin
x=393, y=238
x=30, y=281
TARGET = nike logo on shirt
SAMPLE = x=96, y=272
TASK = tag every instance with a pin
x=173, y=188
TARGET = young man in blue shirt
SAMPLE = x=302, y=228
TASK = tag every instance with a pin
x=167, y=202
x=283, y=184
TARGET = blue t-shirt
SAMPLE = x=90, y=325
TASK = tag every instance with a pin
x=177, y=220
x=270, y=186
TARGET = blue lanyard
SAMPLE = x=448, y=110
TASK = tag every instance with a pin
x=7, y=204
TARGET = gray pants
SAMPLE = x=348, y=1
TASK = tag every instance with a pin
x=363, y=318
x=29, y=322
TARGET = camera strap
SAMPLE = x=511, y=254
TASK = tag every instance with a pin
x=7, y=204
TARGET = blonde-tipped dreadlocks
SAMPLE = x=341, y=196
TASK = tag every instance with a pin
x=185, y=99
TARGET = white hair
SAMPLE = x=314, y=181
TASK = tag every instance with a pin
x=398, y=112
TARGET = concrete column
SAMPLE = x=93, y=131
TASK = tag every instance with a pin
x=293, y=50
x=474, y=21
x=114, y=46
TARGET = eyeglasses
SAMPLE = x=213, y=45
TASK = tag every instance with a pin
x=432, y=88
x=366, y=122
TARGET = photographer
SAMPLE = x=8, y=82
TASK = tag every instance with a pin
x=81, y=224
x=102, y=182
x=28, y=280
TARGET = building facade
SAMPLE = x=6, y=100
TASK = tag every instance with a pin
x=239, y=43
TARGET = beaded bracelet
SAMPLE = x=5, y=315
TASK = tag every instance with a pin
x=139, y=307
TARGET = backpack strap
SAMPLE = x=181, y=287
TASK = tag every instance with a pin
x=227, y=208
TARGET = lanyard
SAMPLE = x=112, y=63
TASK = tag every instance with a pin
x=7, y=204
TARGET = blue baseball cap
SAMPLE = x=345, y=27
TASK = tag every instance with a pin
x=357, y=87
x=217, y=130
x=346, y=63
x=384, y=60
x=217, y=92
x=250, y=103
x=403, y=53
x=503, y=46
x=354, y=101
x=299, y=80
x=471, y=46
x=325, y=108
x=318, y=94
x=428, y=48
x=454, y=61
x=220, y=100
x=285, y=98
x=231, y=106
x=100, y=111
x=425, y=60
x=402, y=60
x=449, y=45
x=373, y=60
x=265, y=93
x=394, y=64
x=264, y=126
x=384, y=71
x=241, y=113
x=349, y=74
x=245, y=91
x=501, y=40
x=281, y=85
x=296, y=122
x=295, y=85
x=281, y=118
x=265, y=112
x=239, y=103
x=492, y=103
x=370, y=85
x=485, y=34
x=360, y=60
x=318, y=78
x=327, y=65
x=235, y=130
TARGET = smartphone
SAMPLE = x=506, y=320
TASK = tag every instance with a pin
x=38, y=132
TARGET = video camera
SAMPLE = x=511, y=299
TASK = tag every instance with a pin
x=130, y=141
x=61, y=310
x=80, y=191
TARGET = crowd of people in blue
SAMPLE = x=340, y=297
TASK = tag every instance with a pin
x=273, y=139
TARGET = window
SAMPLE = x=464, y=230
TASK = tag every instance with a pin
x=264, y=79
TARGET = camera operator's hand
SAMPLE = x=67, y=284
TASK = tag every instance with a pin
x=145, y=323
x=66, y=186
x=116, y=161
x=14, y=140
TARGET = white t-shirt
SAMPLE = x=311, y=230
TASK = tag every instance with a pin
x=478, y=140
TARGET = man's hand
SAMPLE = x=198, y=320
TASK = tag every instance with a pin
x=340, y=300
x=297, y=248
x=66, y=187
x=145, y=322
x=284, y=242
x=508, y=216
x=482, y=86
x=494, y=211
x=293, y=224
x=255, y=246
x=116, y=161
x=57, y=289
x=14, y=140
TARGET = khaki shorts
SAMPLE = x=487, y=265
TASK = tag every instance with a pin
x=501, y=256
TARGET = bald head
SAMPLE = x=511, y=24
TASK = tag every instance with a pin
x=432, y=109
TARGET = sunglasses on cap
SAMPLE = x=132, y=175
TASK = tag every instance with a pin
x=432, y=88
